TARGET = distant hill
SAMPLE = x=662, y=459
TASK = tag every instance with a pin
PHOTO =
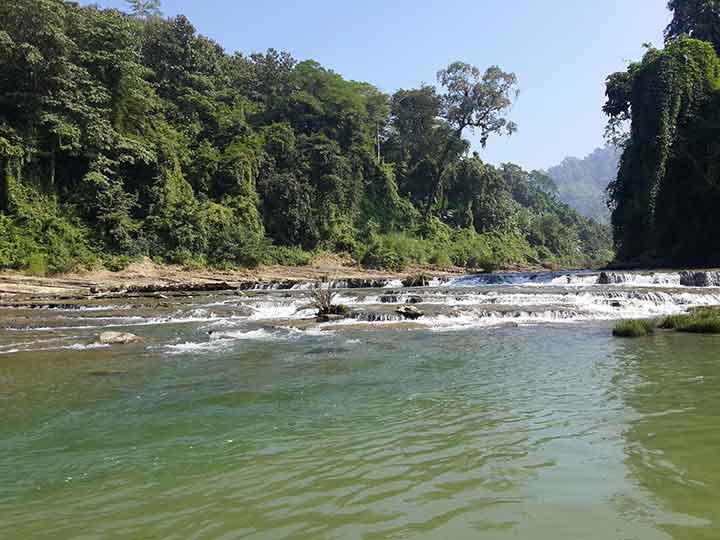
x=582, y=182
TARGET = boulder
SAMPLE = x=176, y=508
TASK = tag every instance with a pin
x=118, y=338
x=410, y=312
x=390, y=299
x=414, y=300
x=700, y=279
x=333, y=313
x=604, y=279
x=329, y=317
x=421, y=280
x=611, y=278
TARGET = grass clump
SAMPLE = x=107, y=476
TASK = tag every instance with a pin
x=634, y=328
x=699, y=321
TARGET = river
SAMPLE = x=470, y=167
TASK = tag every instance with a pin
x=507, y=412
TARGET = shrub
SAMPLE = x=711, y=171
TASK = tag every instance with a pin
x=440, y=258
x=36, y=265
x=235, y=237
x=322, y=298
x=287, y=256
x=379, y=256
x=634, y=328
x=116, y=263
x=40, y=237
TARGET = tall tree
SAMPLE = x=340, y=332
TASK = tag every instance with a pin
x=699, y=19
x=664, y=97
x=145, y=9
x=475, y=100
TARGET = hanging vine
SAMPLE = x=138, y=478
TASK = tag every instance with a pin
x=661, y=96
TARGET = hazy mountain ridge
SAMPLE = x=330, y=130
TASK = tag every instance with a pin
x=582, y=182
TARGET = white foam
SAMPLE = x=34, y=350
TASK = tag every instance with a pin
x=220, y=341
x=73, y=347
x=86, y=346
x=280, y=310
x=195, y=347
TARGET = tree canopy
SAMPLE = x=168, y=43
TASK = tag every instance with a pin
x=123, y=135
x=145, y=9
x=699, y=19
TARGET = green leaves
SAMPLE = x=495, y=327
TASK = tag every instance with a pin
x=134, y=135
x=699, y=19
x=663, y=96
x=478, y=101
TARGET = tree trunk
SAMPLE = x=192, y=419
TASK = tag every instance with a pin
x=440, y=169
x=4, y=188
x=52, y=167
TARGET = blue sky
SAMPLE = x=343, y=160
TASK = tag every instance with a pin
x=561, y=51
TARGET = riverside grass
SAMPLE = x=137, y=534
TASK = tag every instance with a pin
x=634, y=328
x=699, y=321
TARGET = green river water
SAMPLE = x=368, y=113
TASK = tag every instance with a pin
x=538, y=432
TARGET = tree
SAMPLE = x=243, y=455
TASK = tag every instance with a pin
x=665, y=96
x=699, y=19
x=478, y=101
x=474, y=100
x=123, y=136
x=145, y=9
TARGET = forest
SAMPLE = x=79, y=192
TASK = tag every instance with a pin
x=125, y=135
x=664, y=112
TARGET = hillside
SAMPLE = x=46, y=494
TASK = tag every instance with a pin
x=582, y=183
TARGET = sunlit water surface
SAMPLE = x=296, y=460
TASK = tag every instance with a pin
x=539, y=432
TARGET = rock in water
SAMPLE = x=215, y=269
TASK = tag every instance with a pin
x=421, y=280
x=410, y=312
x=330, y=317
x=606, y=278
x=118, y=338
x=700, y=279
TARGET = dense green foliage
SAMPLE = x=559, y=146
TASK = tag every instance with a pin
x=582, y=183
x=667, y=192
x=129, y=135
x=699, y=19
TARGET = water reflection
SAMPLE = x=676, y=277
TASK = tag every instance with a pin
x=671, y=384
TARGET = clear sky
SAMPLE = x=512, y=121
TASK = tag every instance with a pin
x=561, y=51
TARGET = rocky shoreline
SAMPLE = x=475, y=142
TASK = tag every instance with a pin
x=146, y=278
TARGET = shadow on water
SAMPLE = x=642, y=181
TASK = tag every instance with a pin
x=671, y=385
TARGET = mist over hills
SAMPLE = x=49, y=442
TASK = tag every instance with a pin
x=582, y=182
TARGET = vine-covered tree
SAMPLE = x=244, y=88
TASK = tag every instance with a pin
x=699, y=19
x=668, y=182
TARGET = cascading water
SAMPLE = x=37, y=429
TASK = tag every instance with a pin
x=278, y=310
